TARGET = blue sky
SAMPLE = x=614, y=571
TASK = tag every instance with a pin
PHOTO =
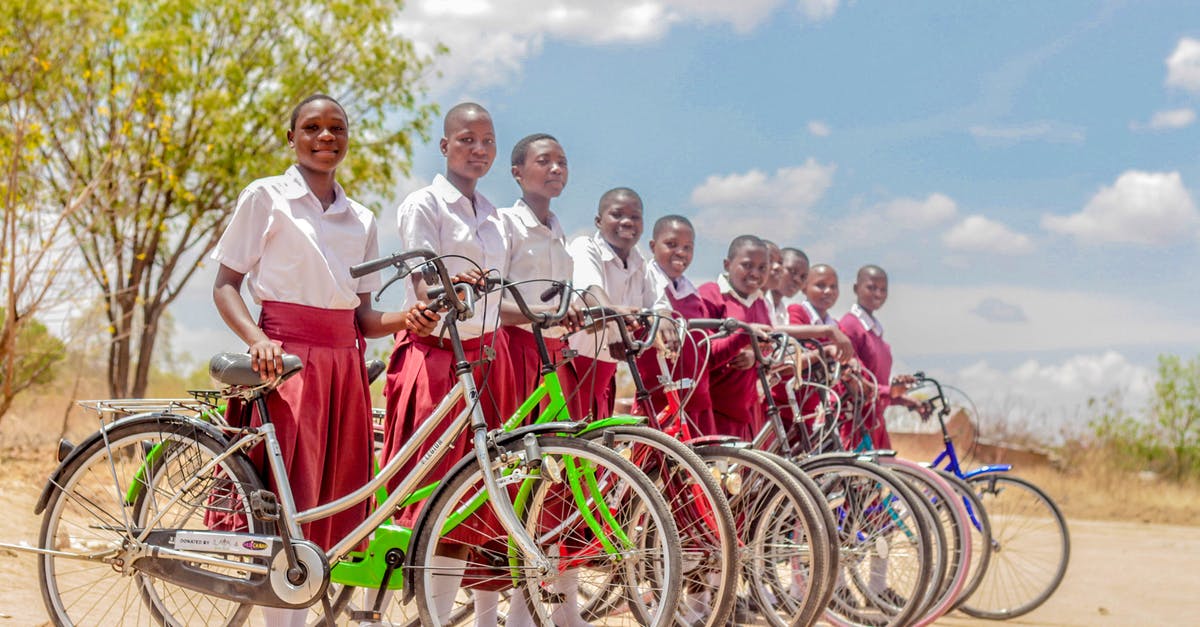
x=1027, y=172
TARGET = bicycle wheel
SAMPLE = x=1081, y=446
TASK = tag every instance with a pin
x=981, y=533
x=1030, y=548
x=141, y=475
x=701, y=513
x=784, y=557
x=951, y=518
x=595, y=515
x=885, y=536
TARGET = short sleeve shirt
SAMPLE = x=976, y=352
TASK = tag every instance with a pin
x=293, y=251
x=625, y=283
x=438, y=217
x=535, y=251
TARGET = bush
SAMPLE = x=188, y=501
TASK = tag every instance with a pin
x=1167, y=438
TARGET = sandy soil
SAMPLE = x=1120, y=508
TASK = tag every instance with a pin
x=1120, y=573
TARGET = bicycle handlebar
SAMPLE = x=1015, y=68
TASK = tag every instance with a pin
x=632, y=346
x=546, y=318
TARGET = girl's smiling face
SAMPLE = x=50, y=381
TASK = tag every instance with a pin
x=672, y=249
x=320, y=137
x=747, y=269
x=822, y=288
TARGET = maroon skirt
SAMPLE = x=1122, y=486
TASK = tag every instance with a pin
x=519, y=348
x=590, y=387
x=420, y=374
x=322, y=415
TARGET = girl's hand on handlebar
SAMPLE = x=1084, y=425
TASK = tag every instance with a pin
x=421, y=320
x=744, y=360
x=844, y=350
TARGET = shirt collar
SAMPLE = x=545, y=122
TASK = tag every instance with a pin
x=869, y=322
x=679, y=288
x=812, y=315
x=450, y=195
x=607, y=253
x=525, y=214
x=295, y=188
x=727, y=288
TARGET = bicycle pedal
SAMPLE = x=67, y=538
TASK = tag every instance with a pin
x=363, y=616
x=264, y=505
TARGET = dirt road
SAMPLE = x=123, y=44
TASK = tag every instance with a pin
x=1120, y=573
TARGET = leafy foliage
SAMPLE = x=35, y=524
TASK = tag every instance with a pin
x=1167, y=438
x=174, y=105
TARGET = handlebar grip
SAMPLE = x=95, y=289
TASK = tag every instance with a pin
x=375, y=265
x=706, y=324
x=551, y=292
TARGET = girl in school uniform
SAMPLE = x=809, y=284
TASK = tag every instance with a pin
x=733, y=382
x=449, y=217
x=874, y=353
x=610, y=268
x=292, y=240
x=672, y=248
x=537, y=249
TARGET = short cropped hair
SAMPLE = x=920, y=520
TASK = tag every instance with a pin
x=522, y=147
x=744, y=241
x=665, y=222
x=313, y=98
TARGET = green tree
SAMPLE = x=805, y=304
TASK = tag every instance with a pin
x=34, y=234
x=1167, y=437
x=169, y=107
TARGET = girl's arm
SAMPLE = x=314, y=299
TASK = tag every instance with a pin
x=266, y=355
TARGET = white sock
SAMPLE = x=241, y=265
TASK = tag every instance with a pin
x=283, y=617
x=567, y=614
x=518, y=611
x=447, y=579
x=369, y=603
x=486, y=602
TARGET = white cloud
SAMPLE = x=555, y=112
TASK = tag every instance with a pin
x=883, y=223
x=1149, y=208
x=1183, y=66
x=1050, y=398
x=1170, y=119
x=489, y=41
x=819, y=128
x=979, y=234
x=924, y=319
x=817, y=10
x=1033, y=131
x=756, y=202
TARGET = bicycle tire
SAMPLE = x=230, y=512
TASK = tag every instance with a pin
x=981, y=533
x=784, y=557
x=113, y=487
x=951, y=516
x=876, y=514
x=708, y=539
x=552, y=518
x=1029, y=538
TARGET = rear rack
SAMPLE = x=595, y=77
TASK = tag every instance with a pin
x=113, y=409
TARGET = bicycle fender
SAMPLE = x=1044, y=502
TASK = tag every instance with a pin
x=53, y=481
x=614, y=421
x=985, y=470
x=716, y=440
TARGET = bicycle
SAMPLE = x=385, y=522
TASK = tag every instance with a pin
x=162, y=518
x=1029, y=540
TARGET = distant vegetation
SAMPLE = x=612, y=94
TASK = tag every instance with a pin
x=1165, y=438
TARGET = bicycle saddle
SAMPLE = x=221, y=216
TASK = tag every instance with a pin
x=234, y=369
